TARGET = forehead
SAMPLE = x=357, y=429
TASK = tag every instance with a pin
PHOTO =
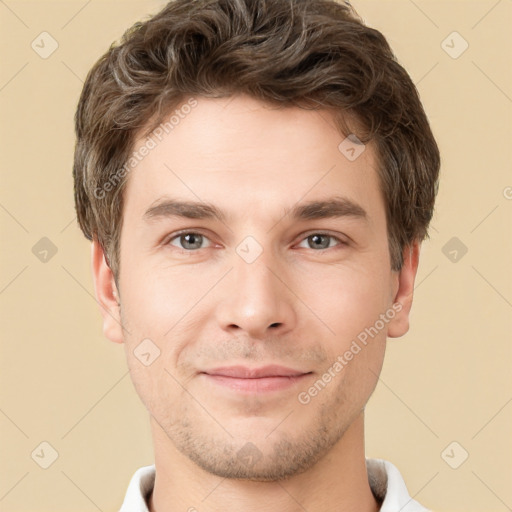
x=245, y=156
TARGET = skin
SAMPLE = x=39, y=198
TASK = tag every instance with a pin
x=300, y=304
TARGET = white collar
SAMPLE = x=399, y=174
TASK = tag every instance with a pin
x=385, y=480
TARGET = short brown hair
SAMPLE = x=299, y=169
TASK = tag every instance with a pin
x=309, y=53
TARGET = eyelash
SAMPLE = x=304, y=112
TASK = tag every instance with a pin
x=168, y=241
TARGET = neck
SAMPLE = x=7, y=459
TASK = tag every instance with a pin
x=337, y=482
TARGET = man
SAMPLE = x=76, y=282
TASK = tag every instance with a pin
x=256, y=177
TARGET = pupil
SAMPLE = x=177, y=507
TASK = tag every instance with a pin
x=190, y=239
x=318, y=239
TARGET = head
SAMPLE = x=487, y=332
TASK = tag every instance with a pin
x=305, y=148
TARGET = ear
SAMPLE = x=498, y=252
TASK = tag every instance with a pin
x=399, y=325
x=107, y=295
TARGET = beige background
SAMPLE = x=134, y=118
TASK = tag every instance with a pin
x=448, y=379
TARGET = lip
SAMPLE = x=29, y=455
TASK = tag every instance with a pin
x=255, y=380
x=243, y=372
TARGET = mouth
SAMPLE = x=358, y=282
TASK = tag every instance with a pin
x=255, y=380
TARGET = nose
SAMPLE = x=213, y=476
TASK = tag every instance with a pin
x=256, y=298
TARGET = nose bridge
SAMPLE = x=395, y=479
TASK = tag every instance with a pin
x=255, y=299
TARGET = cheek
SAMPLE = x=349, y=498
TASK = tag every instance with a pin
x=350, y=302
x=155, y=386
x=155, y=301
x=351, y=308
x=164, y=307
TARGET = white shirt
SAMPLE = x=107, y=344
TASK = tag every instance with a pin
x=385, y=481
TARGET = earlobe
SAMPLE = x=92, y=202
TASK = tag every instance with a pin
x=399, y=325
x=106, y=294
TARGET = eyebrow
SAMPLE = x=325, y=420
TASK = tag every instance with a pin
x=335, y=207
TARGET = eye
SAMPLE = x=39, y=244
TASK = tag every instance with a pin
x=189, y=240
x=322, y=241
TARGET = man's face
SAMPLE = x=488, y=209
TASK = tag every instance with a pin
x=258, y=287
